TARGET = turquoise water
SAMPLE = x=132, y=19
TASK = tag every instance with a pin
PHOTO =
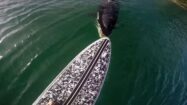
x=149, y=49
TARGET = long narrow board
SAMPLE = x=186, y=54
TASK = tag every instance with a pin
x=80, y=82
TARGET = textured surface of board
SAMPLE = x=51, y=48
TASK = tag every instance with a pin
x=81, y=80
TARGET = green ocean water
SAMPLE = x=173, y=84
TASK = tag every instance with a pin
x=38, y=38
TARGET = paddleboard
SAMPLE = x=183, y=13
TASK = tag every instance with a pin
x=80, y=82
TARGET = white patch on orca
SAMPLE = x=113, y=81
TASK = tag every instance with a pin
x=99, y=30
x=1, y=57
x=97, y=15
x=99, y=27
x=15, y=45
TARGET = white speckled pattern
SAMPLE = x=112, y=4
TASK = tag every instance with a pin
x=91, y=89
x=63, y=86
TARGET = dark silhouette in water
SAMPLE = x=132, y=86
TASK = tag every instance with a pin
x=107, y=17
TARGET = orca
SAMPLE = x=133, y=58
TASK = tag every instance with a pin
x=107, y=16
